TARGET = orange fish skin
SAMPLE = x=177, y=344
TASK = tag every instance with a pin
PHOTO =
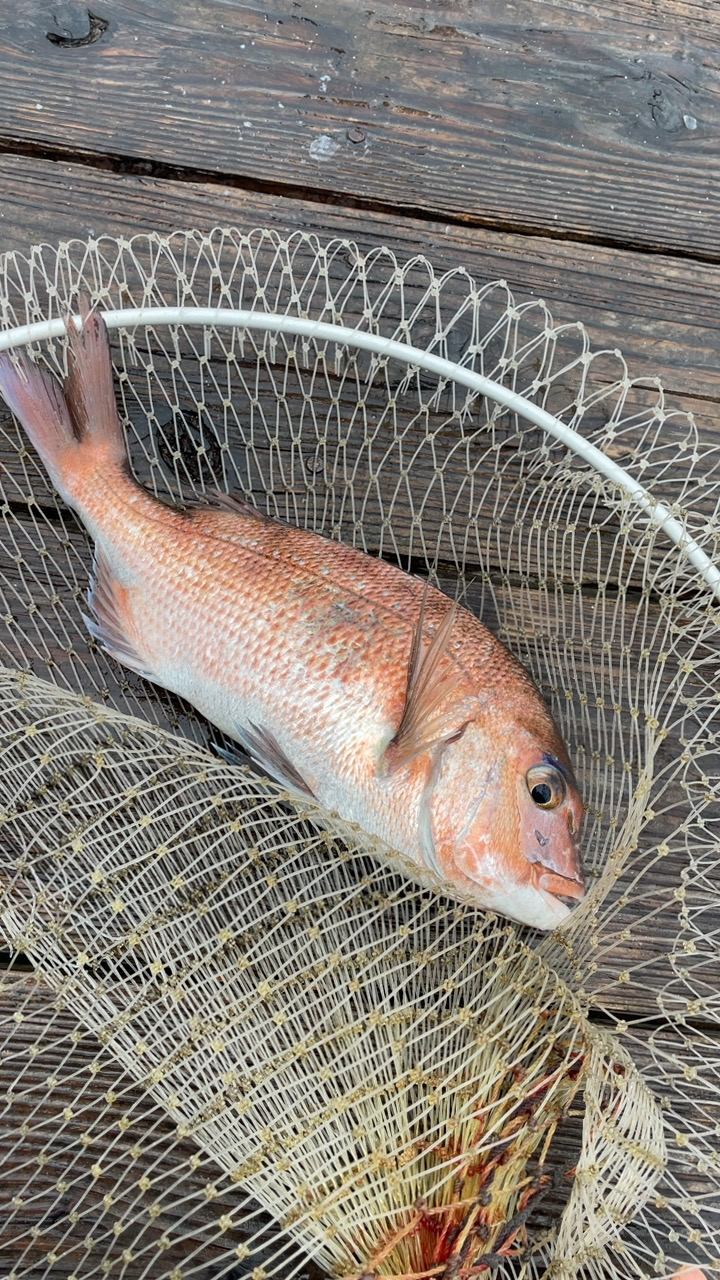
x=258, y=624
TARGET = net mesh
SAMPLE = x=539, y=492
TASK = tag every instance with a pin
x=247, y=1044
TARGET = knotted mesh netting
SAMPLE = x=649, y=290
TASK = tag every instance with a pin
x=238, y=1039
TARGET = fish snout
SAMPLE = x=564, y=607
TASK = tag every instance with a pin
x=555, y=864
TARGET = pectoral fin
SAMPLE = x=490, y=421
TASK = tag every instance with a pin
x=430, y=716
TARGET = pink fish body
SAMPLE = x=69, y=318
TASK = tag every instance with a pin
x=343, y=676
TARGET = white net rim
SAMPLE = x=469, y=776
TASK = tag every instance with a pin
x=389, y=348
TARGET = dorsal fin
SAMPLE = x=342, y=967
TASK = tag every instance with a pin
x=430, y=717
x=215, y=500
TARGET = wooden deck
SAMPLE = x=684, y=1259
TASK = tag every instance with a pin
x=568, y=147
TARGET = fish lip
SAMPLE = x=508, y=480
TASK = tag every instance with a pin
x=567, y=888
x=527, y=902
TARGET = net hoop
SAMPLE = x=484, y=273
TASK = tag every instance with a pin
x=386, y=348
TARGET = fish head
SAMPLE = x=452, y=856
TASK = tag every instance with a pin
x=505, y=823
x=550, y=814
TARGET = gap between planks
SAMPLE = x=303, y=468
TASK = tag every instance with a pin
x=136, y=166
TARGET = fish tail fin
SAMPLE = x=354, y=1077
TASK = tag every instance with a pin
x=75, y=429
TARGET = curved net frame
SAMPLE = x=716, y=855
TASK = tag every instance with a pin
x=270, y=1053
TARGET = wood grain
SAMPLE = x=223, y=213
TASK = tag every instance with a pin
x=662, y=312
x=595, y=122
x=58, y=1085
x=668, y=323
x=132, y=1138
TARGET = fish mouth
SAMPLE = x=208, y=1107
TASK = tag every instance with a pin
x=570, y=891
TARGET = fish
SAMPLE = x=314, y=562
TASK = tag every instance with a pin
x=343, y=677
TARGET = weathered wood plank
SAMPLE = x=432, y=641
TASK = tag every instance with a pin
x=67, y=1109
x=60, y=1086
x=42, y=201
x=662, y=312
x=686, y=358
x=597, y=122
x=89, y=1094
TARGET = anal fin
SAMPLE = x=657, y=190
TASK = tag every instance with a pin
x=263, y=747
x=111, y=624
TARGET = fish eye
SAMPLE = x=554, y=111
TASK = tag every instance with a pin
x=546, y=786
